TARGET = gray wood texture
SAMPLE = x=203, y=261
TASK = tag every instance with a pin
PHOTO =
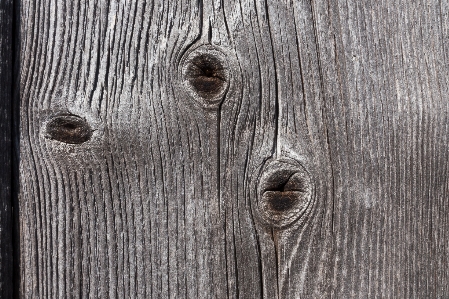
x=6, y=87
x=149, y=127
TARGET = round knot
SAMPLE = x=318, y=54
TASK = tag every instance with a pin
x=285, y=191
x=68, y=129
x=206, y=75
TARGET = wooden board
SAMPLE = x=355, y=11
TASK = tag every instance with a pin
x=6, y=86
x=234, y=149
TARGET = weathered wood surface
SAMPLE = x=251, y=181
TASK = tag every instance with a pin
x=164, y=200
x=6, y=75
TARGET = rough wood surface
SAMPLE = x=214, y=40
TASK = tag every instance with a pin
x=6, y=75
x=190, y=104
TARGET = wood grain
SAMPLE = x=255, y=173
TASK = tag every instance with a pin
x=6, y=85
x=162, y=200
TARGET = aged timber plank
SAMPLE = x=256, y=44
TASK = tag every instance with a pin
x=233, y=149
x=6, y=82
x=358, y=91
x=385, y=81
x=118, y=169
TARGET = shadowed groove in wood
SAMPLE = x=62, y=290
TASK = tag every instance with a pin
x=6, y=157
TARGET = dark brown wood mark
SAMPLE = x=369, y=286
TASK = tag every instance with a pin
x=68, y=129
x=207, y=74
x=285, y=191
x=6, y=86
x=159, y=202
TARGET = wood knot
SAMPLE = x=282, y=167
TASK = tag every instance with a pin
x=68, y=129
x=205, y=73
x=285, y=192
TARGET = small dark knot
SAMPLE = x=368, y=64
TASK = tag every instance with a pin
x=285, y=191
x=206, y=74
x=68, y=129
